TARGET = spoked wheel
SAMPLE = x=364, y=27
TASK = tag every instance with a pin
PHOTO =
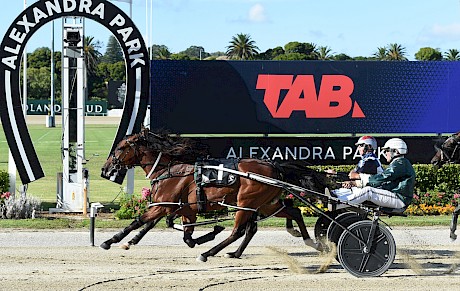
x=360, y=261
x=346, y=219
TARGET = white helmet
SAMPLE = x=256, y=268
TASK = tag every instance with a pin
x=396, y=144
x=367, y=140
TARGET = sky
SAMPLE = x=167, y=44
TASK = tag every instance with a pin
x=355, y=27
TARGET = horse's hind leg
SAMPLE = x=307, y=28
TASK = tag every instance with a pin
x=241, y=219
x=122, y=234
x=135, y=240
x=251, y=229
x=188, y=231
x=296, y=214
x=289, y=226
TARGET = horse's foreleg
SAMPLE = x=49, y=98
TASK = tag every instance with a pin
x=122, y=234
x=453, y=223
x=135, y=240
x=241, y=219
x=251, y=230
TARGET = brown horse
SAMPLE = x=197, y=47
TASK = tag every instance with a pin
x=448, y=151
x=174, y=188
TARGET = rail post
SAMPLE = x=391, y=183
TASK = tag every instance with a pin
x=92, y=220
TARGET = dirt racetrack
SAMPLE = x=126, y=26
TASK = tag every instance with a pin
x=273, y=261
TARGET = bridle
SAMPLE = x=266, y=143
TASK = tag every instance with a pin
x=118, y=162
x=445, y=156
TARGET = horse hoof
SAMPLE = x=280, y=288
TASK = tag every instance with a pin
x=191, y=243
x=230, y=255
x=125, y=246
x=309, y=242
x=104, y=246
x=293, y=232
x=201, y=258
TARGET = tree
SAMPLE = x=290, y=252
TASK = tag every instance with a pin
x=396, y=52
x=38, y=83
x=428, y=54
x=342, y=57
x=291, y=57
x=113, y=52
x=305, y=48
x=92, y=54
x=324, y=53
x=242, y=47
x=381, y=53
x=39, y=58
x=196, y=52
x=452, y=55
x=160, y=52
x=180, y=57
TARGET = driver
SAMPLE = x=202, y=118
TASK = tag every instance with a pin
x=392, y=188
x=369, y=164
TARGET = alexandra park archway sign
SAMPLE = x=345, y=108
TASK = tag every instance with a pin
x=11, y=50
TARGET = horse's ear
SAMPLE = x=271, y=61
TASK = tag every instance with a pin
x=456, y=137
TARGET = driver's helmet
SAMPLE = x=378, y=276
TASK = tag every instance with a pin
x=368, y=142
x=396, y=144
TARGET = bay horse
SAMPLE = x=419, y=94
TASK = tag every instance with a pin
x=449, y=152
x=174, y=188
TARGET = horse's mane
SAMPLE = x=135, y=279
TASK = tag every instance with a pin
x=183, y=149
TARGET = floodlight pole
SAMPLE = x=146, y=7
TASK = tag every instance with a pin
x=50, y=122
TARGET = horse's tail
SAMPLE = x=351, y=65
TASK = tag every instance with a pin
x=303, y=176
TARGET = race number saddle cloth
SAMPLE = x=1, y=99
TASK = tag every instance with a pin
x=215, y=175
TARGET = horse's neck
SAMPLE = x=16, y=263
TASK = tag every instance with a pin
x=154, y=163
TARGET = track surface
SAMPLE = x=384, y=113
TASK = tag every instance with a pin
x=62, y=260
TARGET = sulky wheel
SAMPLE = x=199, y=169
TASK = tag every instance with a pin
x=322, y=224
x=360, y=261
x=346, y=219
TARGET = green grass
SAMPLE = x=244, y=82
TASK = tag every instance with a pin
x=47, y=142
x=78, y=223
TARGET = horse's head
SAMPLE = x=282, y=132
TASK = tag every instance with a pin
x=448, y=151
x=127, y=154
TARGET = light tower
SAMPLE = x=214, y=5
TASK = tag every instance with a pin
x=72, y=187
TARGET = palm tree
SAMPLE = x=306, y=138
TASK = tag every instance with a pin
x=324, y=53
x=452, y=55
x=381, y=53
x=242, y=47
x=92, y=54
x=396, y=52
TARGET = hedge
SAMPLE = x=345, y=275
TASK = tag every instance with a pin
x=4, y=181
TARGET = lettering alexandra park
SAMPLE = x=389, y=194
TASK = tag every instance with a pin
x=84, y=8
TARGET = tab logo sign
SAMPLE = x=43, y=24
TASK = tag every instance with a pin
x=333, y=100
